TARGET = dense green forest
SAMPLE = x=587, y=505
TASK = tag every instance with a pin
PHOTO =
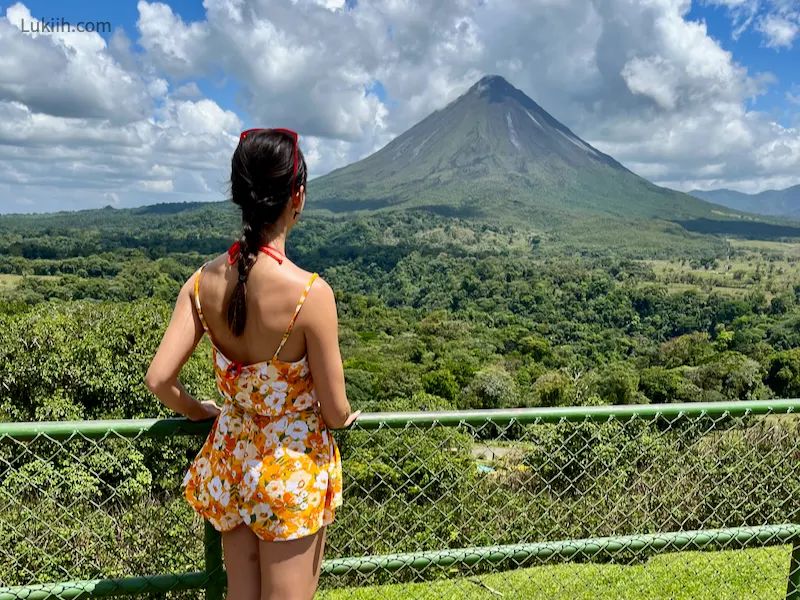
x=435, y=313
x=476, y=314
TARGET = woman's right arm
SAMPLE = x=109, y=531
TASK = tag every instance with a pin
x=324, y=359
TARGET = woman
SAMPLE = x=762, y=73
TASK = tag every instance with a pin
x=269, y=474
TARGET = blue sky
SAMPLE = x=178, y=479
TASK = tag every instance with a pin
x=659, y=94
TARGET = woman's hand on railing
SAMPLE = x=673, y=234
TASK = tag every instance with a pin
x=351, y=419
x=207, y=409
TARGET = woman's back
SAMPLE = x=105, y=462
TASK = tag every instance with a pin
x=281, y=299
x=272, y=295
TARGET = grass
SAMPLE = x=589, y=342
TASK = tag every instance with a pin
x=7, y=280
x=783, y=247
x=758, y=574
x=770, y=267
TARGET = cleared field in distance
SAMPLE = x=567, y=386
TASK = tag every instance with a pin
x=770, y=267
x=8, y=281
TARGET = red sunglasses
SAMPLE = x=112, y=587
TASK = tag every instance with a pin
x=296, y=144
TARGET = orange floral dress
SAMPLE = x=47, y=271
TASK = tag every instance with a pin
x=269, y=461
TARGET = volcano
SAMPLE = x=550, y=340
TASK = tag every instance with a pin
x=493, y=152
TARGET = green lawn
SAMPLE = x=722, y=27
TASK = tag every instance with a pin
x=758, y=574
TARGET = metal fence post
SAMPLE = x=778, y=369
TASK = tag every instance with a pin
x=793, y=587
x=213, y=559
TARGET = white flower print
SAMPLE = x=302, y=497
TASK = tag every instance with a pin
x=215, y=488
x=262, y=511
x=242, y=398
x=298, y=481
x=229, y=521
x=312, y=421
x=252, y=475
x=277, y=427
x=297, y=430
x=303, y=402
x=223, y=422
x=238, y=450
x=321, y=481
x=314, y=499
x=275, y=489
x=236, y=425
x=272, y=372
x=251, y=451
x=203, y=468
x=275, y=401
x=280, y=386
x=295, y=447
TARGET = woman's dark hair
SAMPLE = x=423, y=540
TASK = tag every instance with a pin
x=261, y=185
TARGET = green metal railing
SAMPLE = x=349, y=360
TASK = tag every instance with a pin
x=603, y=486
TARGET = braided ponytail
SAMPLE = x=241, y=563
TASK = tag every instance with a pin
x=261, y=183
x=249, y=243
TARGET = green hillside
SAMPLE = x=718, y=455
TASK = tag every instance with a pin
x=781, y=203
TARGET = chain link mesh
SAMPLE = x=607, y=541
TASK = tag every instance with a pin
x=622, y=508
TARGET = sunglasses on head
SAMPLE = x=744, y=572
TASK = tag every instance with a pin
x=296, y=143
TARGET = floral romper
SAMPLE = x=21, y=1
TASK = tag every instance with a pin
x=269, y=461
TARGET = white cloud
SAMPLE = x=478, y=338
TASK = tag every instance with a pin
x=127, y=120
x=82, y=124
x=158, y=185
x=66, y=74
x=778, y=21
x=779, y=31
x=112, y=197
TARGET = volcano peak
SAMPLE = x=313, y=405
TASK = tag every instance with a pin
x=494, y=151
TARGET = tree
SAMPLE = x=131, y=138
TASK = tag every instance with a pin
x=783, y=373
x=491, y=388
x=661, y=385
x=617, y=384
x=554, y=388
x=441, y=383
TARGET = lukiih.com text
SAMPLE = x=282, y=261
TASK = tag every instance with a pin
x=63, y=26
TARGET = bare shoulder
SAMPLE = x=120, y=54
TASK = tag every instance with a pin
x=320, y=292
x=188, y=286
x=320, y=302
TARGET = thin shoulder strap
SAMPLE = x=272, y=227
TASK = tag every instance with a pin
x=197, y=298
x=294, y=316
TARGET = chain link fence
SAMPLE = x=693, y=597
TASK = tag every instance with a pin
x=657, y=501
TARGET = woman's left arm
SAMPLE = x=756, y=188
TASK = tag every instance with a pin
x=179, y=341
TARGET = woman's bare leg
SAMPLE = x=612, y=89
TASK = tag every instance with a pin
x=241, y=562
x=290, y=570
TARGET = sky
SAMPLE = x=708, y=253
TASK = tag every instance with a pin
x=147, y=108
